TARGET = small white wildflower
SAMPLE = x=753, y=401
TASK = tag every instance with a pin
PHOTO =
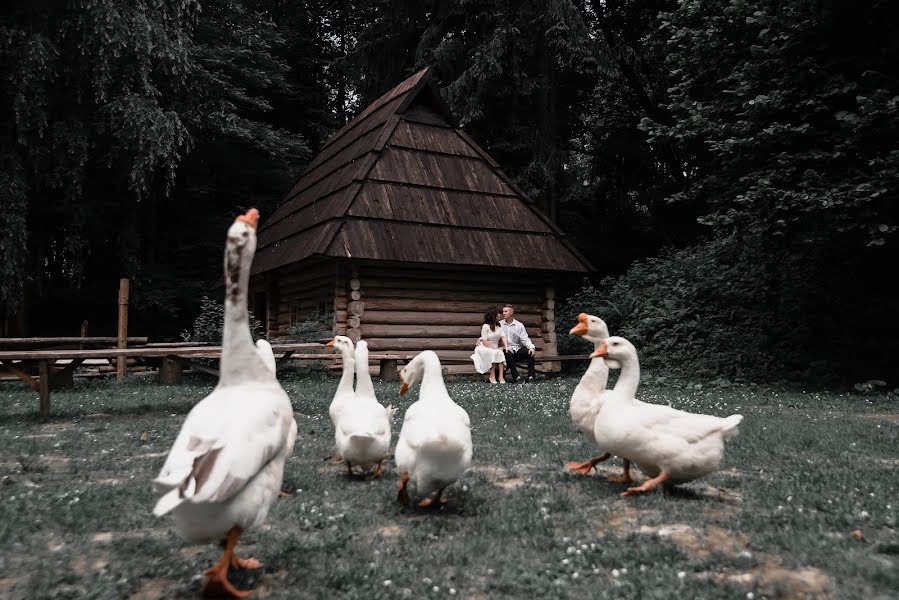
x=681, y=574
x=565, y=561
x=387, y=583
x=426, y=580
x=452, y=591
x=615, y=573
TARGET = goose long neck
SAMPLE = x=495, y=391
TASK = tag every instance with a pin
x=364, y=384
x=240, y=361
x=629, y=378
x=346, y=377
x=597, y=374
x=432, y=384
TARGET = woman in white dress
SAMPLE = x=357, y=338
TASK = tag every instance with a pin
x=488, y=354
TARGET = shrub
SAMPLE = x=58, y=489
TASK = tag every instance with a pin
x=316, y=327
x=207, y=327
x=696, y=312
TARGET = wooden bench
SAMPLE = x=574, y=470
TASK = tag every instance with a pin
x=388, y=364
x=174, y=358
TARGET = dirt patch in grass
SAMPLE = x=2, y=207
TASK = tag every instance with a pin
x=623, y=519
x=510, y=483
x=506, y=479
x=703, y=544
x=391, y=530
x=82, y=564
x=106, y=537
x=774, y=581
x=153, y=589
x=151, y=455
x=770, y=577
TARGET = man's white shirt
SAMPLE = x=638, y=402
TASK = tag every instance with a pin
x=516, y=335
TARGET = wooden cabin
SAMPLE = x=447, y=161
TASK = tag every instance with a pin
x=407, y=231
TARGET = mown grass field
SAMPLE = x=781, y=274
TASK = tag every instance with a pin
x=806, y=471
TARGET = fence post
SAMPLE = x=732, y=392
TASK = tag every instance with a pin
x=123, y=327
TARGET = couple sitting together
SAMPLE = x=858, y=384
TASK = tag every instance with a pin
x=503, y=341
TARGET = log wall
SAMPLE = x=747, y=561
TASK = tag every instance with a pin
x=407, y=308
x=295, y=293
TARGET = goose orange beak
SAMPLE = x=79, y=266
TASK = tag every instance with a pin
x=251, y=218
x=404, y=388
x=581, y=327
x=331, y=343
x=601, y=352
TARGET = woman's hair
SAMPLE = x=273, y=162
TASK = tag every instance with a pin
x=490, y=317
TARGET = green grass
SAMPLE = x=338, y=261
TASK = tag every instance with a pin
x=806, y=470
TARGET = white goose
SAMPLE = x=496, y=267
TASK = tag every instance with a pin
x=434, y=447
x=225, y=468
x=343, y=396
x=344, y=393
x=587, y=398
x=363, y=430
x=671, y=446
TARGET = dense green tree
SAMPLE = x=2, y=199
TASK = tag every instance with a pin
x=125, y=127
x=794, y=110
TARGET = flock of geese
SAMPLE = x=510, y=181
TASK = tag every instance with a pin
x=225, y=468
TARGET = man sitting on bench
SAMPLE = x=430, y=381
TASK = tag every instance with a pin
x=520, y=345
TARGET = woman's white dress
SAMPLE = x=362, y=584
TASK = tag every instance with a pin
x=483, y=356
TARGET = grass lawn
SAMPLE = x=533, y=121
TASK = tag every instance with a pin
x=806, y=470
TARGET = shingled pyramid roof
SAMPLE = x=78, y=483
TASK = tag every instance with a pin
x=401, y=182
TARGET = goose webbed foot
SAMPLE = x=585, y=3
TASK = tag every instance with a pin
x=217, y=583
x=438, y=500
x=647, y=485
x=583, y=468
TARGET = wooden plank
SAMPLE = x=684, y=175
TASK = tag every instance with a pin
x=422, y=305
x=21, y=375
x=452, y=272
x=44, y=391
x=201, y=351
x=484, y=298
x=516, y=292
x=64, y=375
x=419, y=344
x=420, y=136
x=398, y=317
x=426, y=330
x=123, y=326
x=34, y=342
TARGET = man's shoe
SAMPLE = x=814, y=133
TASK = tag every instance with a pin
x=530, y=379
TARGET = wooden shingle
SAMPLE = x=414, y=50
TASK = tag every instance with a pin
x=401, y=182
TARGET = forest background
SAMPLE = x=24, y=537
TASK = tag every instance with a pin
x=729, y=167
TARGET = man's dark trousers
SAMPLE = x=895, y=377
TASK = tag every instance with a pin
x=519, y=355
